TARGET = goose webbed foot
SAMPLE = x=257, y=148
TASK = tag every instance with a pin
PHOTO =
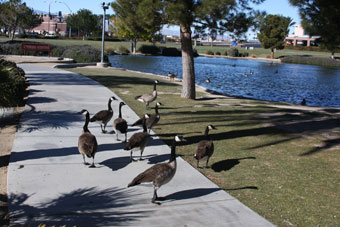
x=141, y=159
x=133, y=160
x=86, y=163
x=92, y=166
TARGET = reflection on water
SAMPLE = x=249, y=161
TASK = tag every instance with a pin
x=320, y=86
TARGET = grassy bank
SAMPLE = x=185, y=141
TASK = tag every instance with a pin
x=257, y=52
x=279, y=160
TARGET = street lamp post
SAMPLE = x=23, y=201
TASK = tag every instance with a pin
x=70, y=30
x=49, y=15
x=101, y=63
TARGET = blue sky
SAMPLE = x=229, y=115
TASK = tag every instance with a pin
x=281, y=7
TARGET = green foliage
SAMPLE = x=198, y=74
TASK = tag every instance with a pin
x=82, y=54
x=15, y=14
x=10, y=48
x=12, y=84
x=273, y=31
x=209, y=52
x=307, y=60
x=57, y=51
x=321, y=18
x=233, y=52
x=217, y=53
x=85, y=22
x=149, y=49
x=123, y=50
x=137, y=19
x=171, y=51
x=110, y=51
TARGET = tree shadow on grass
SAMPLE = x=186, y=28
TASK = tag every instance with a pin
x=328, y=144
x=81, y=207
x=227, y=164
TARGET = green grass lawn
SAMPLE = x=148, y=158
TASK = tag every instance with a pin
x=282, y=162
x=258, y=52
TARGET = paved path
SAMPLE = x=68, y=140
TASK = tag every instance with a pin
x=48, y=184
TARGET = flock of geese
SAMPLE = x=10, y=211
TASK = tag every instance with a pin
x=159, y=174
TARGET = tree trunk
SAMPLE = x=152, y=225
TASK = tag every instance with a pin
x=188, y=89
x=134, y=46
x=272, y=53
x=333, y=54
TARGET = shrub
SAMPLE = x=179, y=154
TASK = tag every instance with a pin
x=12, y=84
x=233, y=52
x=245, y=54
x=82, y=54
x=209, y=52
x=253, y=56
x=218, y=53
x=57, y=51
x=225, y=53
x=171, y=51
x=10, y=48
x=149, y=49
x=307, y=60
x=123, y=50
x=110, y=51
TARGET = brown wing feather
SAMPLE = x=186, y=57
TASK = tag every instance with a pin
x=151, y=174
x=103, y=115
x=204, y=148
x=87, y=144
x=136, y=140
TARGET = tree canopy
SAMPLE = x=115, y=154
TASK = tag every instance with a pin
x=321, y=17
x=273, y=32
x=15, y=14
x=212, y=16
x=137, y=19
x=85, y=22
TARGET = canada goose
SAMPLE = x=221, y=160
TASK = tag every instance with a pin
x=120, y=124
x=251, y=72
x=161, y=173
x=276, y=71
x=303, y=102
x=104, y=116
x=171, y=76
x=152, y=120
x=234, y=65
x=207, y=80
x=87, y=143
x=147, y=98
x=245, y=75
x=138, y=140
x=205, y=148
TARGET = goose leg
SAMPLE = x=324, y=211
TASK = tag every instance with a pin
x=104, y=128
x=206, y=165
x=141, y=154
x=198, y=163
x=85, y=163
x=131, y=159
x=155, y=197
x=125, y=138
x=117, y=136
x=92, y=166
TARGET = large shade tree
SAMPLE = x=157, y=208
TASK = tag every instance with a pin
x=84, y=22
x=321, y=17
x=214, y=15
x=137, y=19
x=16, y=15
x=273, y=32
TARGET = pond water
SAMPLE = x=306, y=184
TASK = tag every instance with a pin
x=320, y=86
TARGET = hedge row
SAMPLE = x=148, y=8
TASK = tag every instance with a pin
x=308, y=60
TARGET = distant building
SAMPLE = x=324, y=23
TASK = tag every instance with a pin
x=300, y=38
x=56, y=24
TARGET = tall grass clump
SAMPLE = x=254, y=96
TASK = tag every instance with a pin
x=233, y=52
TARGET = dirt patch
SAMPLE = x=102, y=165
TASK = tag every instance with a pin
x=8, y=126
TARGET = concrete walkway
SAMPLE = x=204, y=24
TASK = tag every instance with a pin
x=48, y=184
